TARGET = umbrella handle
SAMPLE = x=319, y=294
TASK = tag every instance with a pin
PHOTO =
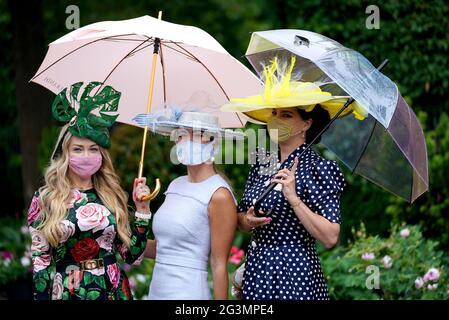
x=154, y=193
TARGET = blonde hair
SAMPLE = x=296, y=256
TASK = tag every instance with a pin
x=54, y=195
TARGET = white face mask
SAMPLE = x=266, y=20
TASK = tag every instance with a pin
x=192, y=153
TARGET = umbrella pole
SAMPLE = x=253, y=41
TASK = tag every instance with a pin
x=157, y=43
x=273, y=185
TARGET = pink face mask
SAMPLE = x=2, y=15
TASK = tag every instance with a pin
x=85, y=167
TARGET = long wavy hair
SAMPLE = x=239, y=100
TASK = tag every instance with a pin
x=55, y=194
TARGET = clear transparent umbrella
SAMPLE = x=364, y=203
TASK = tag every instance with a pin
x=388, y=146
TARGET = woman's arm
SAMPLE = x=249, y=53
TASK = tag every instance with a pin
x=41, y=254
x=140, y=229
x=223, y=222
x=150, y=250
x=319, y=227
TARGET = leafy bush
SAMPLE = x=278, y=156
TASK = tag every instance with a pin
x=15, y=255
x=408, y=266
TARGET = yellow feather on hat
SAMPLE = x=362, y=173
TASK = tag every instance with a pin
x=281, y=92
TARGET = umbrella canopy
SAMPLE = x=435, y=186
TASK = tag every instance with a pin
x=388, y=146
x=191, y=66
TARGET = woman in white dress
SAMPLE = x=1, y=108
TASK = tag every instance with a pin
x=196, y=223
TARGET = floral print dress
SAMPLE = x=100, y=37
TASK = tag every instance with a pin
x=83, y=266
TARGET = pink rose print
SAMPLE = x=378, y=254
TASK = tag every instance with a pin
x=114, y=274
x=58, y=288
x=76, y=197
x=34, y=210
x=67, y=229
x=38, y=241
x=106, y=240
x=123, y=250
x=41, y=262
x=92, y=216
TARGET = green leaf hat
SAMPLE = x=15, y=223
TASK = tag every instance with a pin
x=82, y=122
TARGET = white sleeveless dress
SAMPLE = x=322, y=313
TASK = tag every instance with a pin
x=181, y=229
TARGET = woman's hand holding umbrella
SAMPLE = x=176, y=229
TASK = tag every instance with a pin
x=286, y=177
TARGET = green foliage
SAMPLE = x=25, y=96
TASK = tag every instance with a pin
x=350, y=270
x=15, y=255
x=431, y=210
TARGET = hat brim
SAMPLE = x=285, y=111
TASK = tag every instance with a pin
x=166, y=128
x=331, y=106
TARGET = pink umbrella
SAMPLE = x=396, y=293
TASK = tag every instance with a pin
x=184, y=62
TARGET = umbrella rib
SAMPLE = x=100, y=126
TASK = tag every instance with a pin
x=149, y=44
x=161, y=56
x=69, y=53
x=121, y=60
x=365, y=146
x=207, y=69
x=180, y=52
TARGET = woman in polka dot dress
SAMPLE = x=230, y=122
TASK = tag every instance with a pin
x=282, y=262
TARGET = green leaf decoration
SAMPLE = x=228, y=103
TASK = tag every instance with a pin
x=88, y=278
x=135, y=251
x=66, y=282
x=93, y=294
x=83, y=123
x=60, y=252
x=100, y=282
x=71, y=242
x=82, y=293
x=65, y=295
x=41, y=285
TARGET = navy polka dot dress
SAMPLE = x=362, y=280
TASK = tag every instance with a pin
x=281, y=261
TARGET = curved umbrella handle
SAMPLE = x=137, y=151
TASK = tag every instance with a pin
x=153, y=194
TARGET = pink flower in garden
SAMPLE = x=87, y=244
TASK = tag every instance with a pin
x=433, y=274
x=367, y=256
x=236, y=255
x=132, y=283
x=432, y=286
x=114, y=274
x=34, y=210
x=387, y=261
x=25, y=261
x=405, y=232
x=419, y=282
x=92, y=216
x=24, y=230
x=7, y=256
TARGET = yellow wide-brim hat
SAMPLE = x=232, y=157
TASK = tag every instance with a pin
x=281, y=92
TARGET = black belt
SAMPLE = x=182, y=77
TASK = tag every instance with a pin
x=89, y=264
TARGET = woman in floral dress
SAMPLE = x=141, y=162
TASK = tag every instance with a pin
x=79, y=219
